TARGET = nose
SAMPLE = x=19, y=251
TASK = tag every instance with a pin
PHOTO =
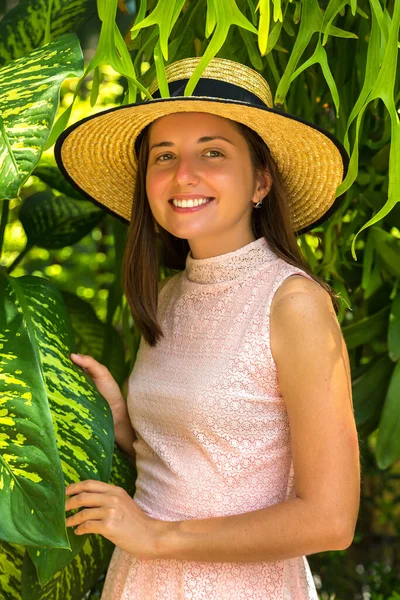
x=185, y=171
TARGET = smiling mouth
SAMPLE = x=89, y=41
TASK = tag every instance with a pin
x=190, y=202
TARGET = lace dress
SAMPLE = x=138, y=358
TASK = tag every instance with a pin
x=212, y=428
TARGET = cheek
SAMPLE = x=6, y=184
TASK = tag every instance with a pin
x=233, y=181
x=154, y=185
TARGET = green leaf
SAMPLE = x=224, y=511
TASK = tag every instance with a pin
x=53, y=221
x=44, y=391
x=366, y=330
x=384, y=89
x=92, y=335
x=252, y=50
x=22, y=28
x=211, y=19
x=394, y=330
x=139, y=17
x=164, y=16
x=31, y=480
x=312, y=21
x=263, y=26
x=388, y=441
x=81, y=574
x=160, y=70
x=320, y=57
x=387, y=248
x=11, y=559
x=369, y=391
x=29, y=95
x=226, y=14
x=53, y=177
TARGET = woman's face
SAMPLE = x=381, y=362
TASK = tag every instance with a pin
x=197, y=156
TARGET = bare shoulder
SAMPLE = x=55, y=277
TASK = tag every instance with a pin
x=301, y=290
x=302, y=314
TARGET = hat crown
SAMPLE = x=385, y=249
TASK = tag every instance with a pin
x=220, y=69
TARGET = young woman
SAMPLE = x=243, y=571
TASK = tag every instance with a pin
x=239, y=414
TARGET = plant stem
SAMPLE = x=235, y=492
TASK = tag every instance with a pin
x=3, y=222
x=19, y=258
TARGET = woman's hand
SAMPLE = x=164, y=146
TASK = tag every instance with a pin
x=106, y=385
x=110, y=511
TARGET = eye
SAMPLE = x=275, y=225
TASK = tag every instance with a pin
x=217, y=153
x=162, y=157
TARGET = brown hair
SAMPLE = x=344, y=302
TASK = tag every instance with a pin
x=149, y=245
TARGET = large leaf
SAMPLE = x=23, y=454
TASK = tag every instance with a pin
x=23, y=28
x=369, y=391
x=11, y=560
x=387, y=248
x=53, y=177
x=29, y=96
x=388, y=442
x=53, y=221
x=92, y=335
x=18, y=577
x=366, y=330
x=394, y=330
x=32, y=486
x=55, y=428
x=81, y=573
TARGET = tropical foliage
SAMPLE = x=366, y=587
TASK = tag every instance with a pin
x=334, y=63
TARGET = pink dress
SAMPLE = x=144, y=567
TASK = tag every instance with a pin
x=212, y=428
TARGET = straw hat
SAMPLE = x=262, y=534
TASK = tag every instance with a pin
x=97, y=154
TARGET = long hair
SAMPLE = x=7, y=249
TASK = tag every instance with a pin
x=149, y=245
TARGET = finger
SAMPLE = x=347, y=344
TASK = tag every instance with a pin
x=90, y=527
x=88, y=485
x=87, y=514
x=90, y=364
x=84, y=499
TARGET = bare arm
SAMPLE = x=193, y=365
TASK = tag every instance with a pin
x=314, y=377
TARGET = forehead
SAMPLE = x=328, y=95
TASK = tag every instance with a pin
x=195, y=122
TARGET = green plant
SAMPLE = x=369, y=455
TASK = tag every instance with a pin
x=334, y=63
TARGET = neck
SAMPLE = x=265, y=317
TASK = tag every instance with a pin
x=208, y=247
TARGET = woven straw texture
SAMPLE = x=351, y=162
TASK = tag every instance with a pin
x=99, y=153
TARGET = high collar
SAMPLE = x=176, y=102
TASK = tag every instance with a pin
x=229, y=266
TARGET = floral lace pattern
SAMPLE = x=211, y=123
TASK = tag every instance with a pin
x=212, y=430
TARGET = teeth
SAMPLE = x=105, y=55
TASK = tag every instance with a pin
x=190, y=203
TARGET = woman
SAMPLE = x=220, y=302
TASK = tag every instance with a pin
x=239, y=414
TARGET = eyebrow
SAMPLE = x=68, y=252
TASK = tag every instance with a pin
x=201, y=140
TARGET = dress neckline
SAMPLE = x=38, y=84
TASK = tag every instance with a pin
x=231, y=265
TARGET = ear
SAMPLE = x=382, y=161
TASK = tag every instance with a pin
x=263, y=185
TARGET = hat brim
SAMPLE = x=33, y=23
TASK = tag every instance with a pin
x=96, y=155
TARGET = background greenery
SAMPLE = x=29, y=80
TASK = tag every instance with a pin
x=333, y=63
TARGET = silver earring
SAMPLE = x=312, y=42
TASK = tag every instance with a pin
x=258, y=205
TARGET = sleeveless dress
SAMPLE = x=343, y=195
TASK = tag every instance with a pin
x=213, y=436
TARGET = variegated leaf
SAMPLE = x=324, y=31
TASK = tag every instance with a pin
x=31, y=480
x=23, y=28
x=81, y=574
x=11, y=560
x=29, y=96
x=53, y=418
x=53, y=221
